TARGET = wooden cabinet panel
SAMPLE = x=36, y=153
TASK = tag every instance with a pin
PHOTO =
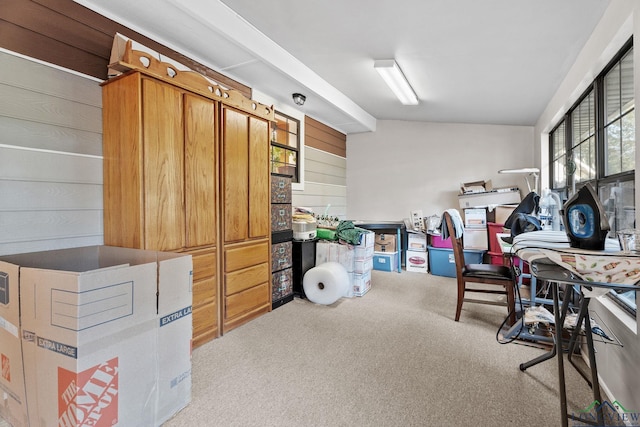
x=243, y=256
x=235, y=174
x=246, y=278
x=204, y=263
x=162, y=131
x=201, y=170
x=247, y=301
x=185, y=172
x=204, y=292
x=122, y=154
x=205, y=326
x=259, y=183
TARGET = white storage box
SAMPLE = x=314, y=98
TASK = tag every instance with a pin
x=368, y=239
x=475, y=217
x=335, y=252
x=417, y=261
x=360, y=253
x=495, y=197
x=362, y=265
x=416, y=242
x=475, y=238
x=361, y=283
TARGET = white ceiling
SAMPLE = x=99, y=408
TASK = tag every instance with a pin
x=469, y=61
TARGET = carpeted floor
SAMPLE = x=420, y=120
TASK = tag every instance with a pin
x=394, y=357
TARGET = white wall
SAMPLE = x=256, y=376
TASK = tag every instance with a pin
x=405, y=166
x=618, y=367
x=325, y=188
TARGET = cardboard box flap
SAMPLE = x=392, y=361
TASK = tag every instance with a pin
x=475, y=187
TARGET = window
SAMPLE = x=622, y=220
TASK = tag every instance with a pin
x=583, y=140
x=559, y=157
x=619, y=123
x=595, y=142
x=285, y=146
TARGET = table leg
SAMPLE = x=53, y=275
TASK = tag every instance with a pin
x=592, y=362
x=557, y=349
x=559, y=319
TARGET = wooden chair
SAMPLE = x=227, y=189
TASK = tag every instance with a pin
x=485, y=274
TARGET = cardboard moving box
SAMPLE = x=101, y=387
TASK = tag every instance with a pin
x=96, y=351
x=386, y=243
x=495, y=197
x=13, y=402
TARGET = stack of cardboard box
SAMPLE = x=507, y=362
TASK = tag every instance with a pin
x=385, y=255
x=358, y=260
x=417, y=260
x=96, y=335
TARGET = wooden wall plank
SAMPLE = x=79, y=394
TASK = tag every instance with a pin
x=30, y=43
x=326, y=190
x=47, y=225
x=25, y=165
x=67, y=34
x=322, y=177
x=24, y=104
x=41, y=78
x=320, y=136
x=49, y=244
x=325, y=157
x=42, y=196
x=29, y=134
x=54, y=24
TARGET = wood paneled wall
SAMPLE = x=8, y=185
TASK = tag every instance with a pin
x=320, y=136
x=67, y=34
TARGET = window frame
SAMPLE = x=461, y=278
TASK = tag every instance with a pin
x=275, y=143
x=601, y=123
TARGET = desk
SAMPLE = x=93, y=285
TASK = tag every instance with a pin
x=549, y=272
x=396, y=226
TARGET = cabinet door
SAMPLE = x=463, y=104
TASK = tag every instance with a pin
x=235, y=151
x=259, y=178
x=201, y=150
x=122, y=151
x=246, y=176
x=163, y=166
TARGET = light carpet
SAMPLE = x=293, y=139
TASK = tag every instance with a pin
x=394, y=357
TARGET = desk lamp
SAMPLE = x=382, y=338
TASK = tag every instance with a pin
x=534, y=172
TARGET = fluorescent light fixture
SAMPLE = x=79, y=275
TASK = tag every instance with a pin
x=395, y=79
x=534, y=172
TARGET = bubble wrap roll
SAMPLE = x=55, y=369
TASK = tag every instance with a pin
x=326, y=283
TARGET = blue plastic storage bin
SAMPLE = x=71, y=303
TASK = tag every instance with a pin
x=443, y=263
x=385, y=261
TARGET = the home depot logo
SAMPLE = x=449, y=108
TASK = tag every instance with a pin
x=6, y=368
x=88, y=398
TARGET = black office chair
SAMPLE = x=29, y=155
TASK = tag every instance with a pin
x=488, y=274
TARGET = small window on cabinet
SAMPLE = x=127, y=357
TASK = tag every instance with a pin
x=285, y=146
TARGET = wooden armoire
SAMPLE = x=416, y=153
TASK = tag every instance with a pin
x=186, y=169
